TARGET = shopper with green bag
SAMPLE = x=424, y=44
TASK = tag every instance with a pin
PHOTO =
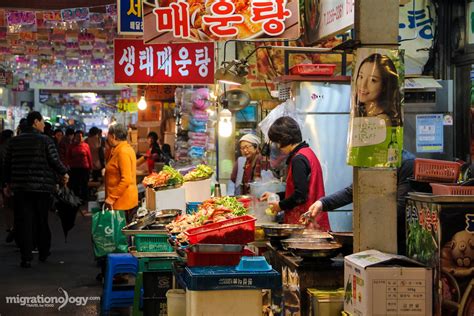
x=107, y=232
x=121, y=195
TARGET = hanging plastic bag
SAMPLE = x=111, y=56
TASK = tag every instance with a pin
x=107, y=236
x=287, y=108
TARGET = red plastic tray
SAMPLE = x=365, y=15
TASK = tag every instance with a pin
x=313, y=69
x=203, y=259
x=239, y=230
x=451, y=189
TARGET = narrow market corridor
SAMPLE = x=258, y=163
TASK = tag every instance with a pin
x=70, y=272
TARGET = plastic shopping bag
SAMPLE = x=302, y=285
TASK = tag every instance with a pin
x=107, y=233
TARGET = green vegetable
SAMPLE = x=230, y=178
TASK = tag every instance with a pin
x=231, y=202
x=176, y=177
x=421, y=244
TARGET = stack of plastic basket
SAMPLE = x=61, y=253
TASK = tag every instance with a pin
x=442, y=176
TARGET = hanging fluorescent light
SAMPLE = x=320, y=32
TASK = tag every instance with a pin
x=225, y=123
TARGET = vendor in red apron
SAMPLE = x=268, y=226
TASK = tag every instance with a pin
x=153, y=153
x=304, y=182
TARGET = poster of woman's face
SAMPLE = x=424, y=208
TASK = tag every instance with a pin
x=377, y=85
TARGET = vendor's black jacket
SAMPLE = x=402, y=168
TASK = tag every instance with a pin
x=32, y=162
x=344, y=196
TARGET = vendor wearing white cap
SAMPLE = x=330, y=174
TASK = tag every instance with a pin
x=248, y=167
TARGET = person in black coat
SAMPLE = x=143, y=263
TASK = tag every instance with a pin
x=30, y=170
x=344, y=197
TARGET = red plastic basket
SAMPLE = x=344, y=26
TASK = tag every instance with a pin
x=202, y=259
x=313, y=69
x=451, y=189
x=239, y=230
x=430, y=170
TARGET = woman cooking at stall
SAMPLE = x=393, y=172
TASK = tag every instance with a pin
x=304, y=182
x=249, y=168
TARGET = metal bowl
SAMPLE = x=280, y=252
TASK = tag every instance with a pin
x=344, y=238
x=282, y=230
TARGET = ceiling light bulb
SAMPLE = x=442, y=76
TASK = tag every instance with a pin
x=142, y=103
x=225, y=123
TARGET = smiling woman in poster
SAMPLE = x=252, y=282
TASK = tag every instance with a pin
x=375, y=131
x=378, y=93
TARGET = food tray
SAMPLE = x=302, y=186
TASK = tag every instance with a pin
x=451, y=189
x=239, y=230
x=152, y=243
x=216, y=248
x=313, y=69
x=431, y=170
x=228, y=278
x=202, y=259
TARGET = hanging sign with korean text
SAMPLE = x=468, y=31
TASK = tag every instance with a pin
x=130, y=14
x=325, y=18
x=215, y=20
x=190, y=63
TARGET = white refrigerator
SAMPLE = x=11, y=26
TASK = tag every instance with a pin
x=324, y=109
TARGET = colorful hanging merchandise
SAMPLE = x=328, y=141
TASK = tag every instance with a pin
x=193, y=138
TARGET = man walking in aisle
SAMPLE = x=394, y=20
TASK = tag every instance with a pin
x=31, y=166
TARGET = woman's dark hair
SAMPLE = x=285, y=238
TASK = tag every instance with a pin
x=153, y=136
x=119, y=131
x=79, y=132
x=93, y=131
x=32, y=116
x=69, y=131
x=390, y=94
x=166, y=149
x=58, y=130
x=285, y=131
x=6, y=135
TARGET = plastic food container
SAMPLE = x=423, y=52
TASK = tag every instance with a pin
x=239, y=230
x=176, y=300
x=432, y=170
x=313, y=69
x=250, y=264
x=152, y=243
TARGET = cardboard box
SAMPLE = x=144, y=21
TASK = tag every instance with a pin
x=198, y=191
x=165, y=199
x=378, y=284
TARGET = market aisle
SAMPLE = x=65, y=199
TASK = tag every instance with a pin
x=70, y=267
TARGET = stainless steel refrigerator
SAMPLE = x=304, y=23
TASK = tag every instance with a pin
x=324, y=109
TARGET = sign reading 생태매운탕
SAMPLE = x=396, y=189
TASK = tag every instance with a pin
x=130, y=17
x=190, y=63
x=215, y=20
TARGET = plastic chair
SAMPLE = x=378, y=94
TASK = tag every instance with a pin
x=118, y=263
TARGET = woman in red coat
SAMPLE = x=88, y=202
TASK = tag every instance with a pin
x=79, y=160
x=304, y=182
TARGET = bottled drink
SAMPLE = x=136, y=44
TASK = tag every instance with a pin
x=392, y=152
x=217, y=190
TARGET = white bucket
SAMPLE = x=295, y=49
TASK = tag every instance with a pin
x=176, y=300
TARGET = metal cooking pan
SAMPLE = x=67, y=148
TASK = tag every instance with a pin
x=282, y=230
x=315, y=250
x=345, y=238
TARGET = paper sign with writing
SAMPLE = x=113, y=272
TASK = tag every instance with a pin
x=216, y=20
x=130, y=17
x=135, y=62
x=326, y=18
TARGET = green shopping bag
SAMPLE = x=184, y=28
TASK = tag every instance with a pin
x=107, y=236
